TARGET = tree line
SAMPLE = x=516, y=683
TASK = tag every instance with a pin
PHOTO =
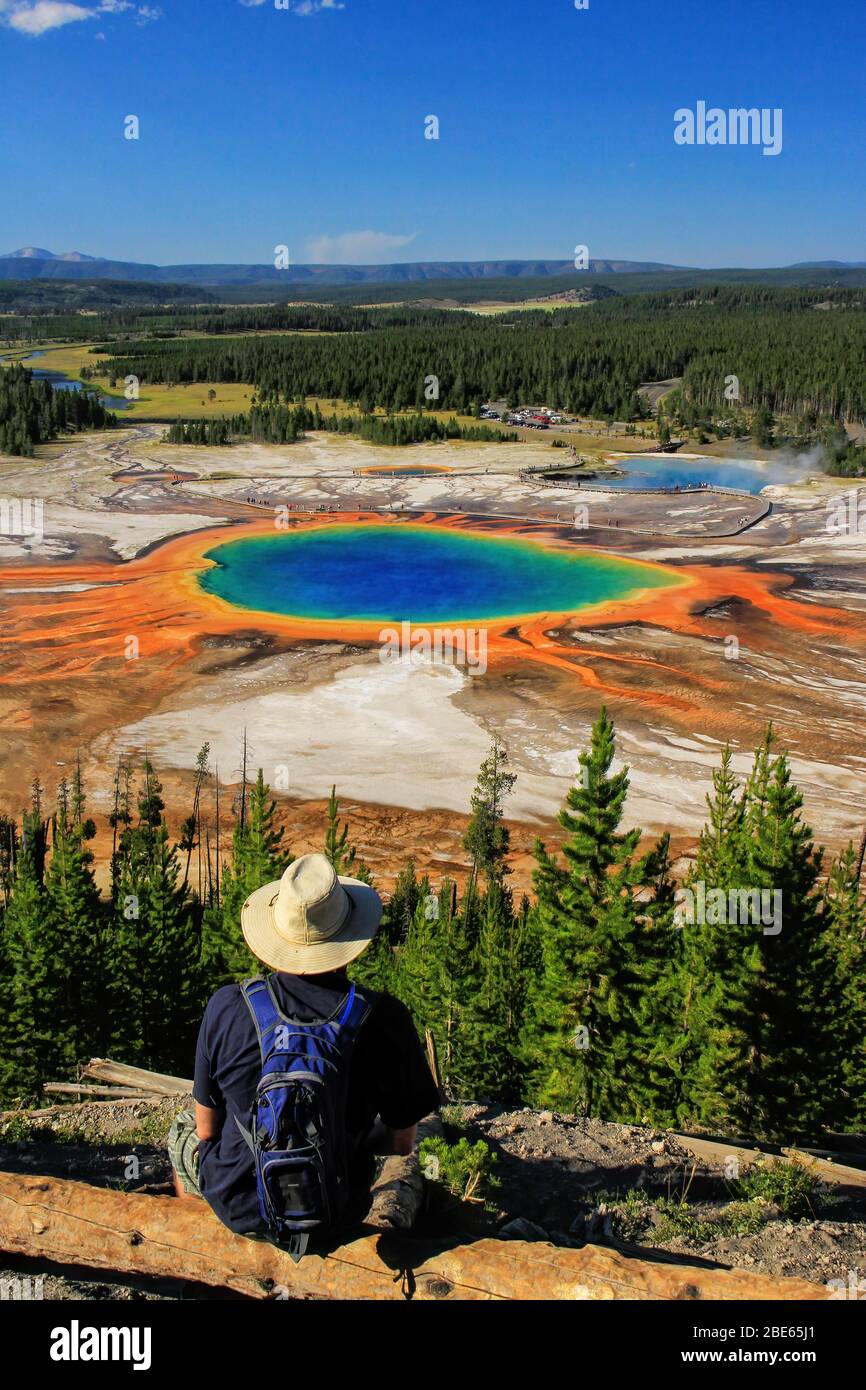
x=604, y=994
x=278, y=424
x=796, y=353
x=31, y=412
x=140, y=317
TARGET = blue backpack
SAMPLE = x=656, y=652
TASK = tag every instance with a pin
x=298, y=1132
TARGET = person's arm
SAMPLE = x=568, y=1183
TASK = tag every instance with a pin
x=403, y=1140
x=382, y=1139
x=208, y=1122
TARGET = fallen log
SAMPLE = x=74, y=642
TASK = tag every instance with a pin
x=397, y=1194
x=719, y=1151
x=73, y=1223
x=433, y=1061
x=85, y=1089
x=103, y=1069
x=69, y=1108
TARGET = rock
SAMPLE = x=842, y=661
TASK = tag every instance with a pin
x=658, y=1146
x=521, y=1229
x=560, y=1238
x=546, y=1117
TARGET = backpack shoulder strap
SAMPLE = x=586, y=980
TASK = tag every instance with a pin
x=265, y=1015
x=263, y=1008
x=356, y=1010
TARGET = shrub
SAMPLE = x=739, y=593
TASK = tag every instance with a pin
x=786, y=1183
x=465, y=1169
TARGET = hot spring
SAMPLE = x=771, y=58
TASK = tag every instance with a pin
x=421, y=574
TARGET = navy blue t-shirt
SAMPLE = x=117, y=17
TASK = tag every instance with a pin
x=388, y=1077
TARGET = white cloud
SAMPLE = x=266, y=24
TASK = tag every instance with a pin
x=42, y=16
x=46, y=14
x=352, y=247
x=303, y=7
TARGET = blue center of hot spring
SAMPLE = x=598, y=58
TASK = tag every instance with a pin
x=420, y=574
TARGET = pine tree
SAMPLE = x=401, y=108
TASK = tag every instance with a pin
x=190, y=836
x=487, y=837
x=8, y=849
x=258, y=857
x=494, y=999
x=718, y=867
x=378, y=967
x=29, y=1052
x=375, y=967
x=798, y=979
x=120, y=819
x=656, y=993
x=587, y=1036
x=765, y=968
x=419, y=979
x=76, y=924
x=476, y=1013
x=157, y=942
x=169, y=924
x=845, y=912
x=337, y=847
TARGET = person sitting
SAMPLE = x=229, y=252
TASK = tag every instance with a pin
x=370, y=1085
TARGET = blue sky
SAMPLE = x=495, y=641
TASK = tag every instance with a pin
x=305, y=127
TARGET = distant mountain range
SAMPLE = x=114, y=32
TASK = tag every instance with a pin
x=73, y=271
x=33, y=262
x=828, y=265
x=38, y=253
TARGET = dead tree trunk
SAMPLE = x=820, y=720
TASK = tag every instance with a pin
x=73, y=1223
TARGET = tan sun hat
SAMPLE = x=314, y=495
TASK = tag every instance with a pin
x=310, y=920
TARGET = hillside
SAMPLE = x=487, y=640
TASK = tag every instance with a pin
x=33, y=263
x=570, y=1181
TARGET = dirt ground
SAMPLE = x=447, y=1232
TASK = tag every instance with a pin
x=581, y=1180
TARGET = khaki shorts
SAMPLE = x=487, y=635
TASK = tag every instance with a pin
x=183, y=1151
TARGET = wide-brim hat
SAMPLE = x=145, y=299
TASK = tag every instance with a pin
x=311, y=920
